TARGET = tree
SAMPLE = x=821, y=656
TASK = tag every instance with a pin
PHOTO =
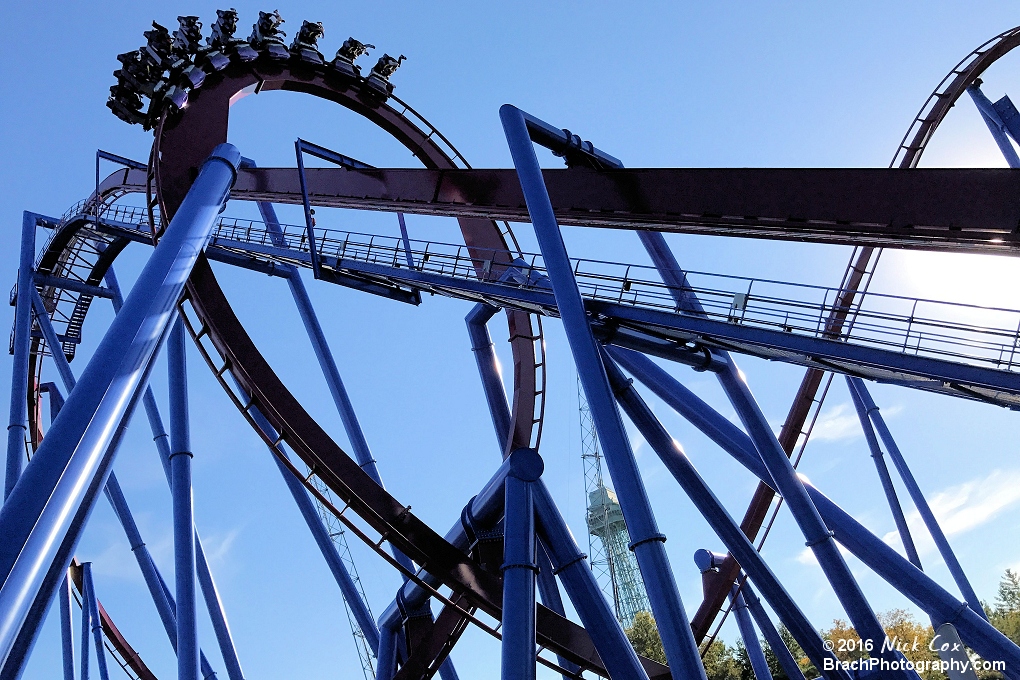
x=644, y=637
x=1006, y=614
x=902, y=631
x=798, y=654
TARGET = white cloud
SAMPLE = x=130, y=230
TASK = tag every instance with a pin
x=963, y=507
x=836, y=423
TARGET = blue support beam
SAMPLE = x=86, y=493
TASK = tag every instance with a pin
x=66, y=629
x=584, y=592
x=163, y=601
x=213, y=603
x=919, y=588
x=647, y=541
x=92, y=603
x=771, y=635
x=917, y=496
x=485, y=358
x=994, y=123
x=183, y=508
x=518, y=652
x=45, y=513
x=83, y=659
x=749, y=635
x=17, y=427
x=322, y=538
x=818, y=536
x=320, y=346
x=883, y=473
x=718, y=517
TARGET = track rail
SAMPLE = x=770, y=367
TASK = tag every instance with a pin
x=856, y=277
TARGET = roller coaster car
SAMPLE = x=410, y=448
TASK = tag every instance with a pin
x=126, y=104
x=267, y=38
x=305, y=45
x=343, y=63
x=222, y=38
x=378, y=83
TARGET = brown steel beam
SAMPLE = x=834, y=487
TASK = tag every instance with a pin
x=950, y=209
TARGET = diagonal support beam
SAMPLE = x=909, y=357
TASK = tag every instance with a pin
x=45, y=514
x=647, y=540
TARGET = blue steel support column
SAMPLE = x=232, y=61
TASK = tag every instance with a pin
x=715, y=513
x=89, y=586
x=995, y=124
x=327, y=364
x=205, y=580
x=499, y=410
x=883, y=473
x=920, y=502
x=674, y=627
x=115, y=495
x=918, y=587
x=750, y=636
x=18, y=424
x=184, y=516
x=83, y=660
x=66, y=630
x=771, y=635
x=485, y=358
x=583, y=590
x=519, y=658
x=819, y=536
x=322, y=540
x=386, y=659
x=43, y=518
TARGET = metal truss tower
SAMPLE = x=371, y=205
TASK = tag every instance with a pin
x=608, y=540
x=339, y=538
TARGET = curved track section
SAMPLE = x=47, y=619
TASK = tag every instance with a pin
x=856, y=279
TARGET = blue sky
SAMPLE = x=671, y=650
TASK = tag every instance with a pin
x=655, y=84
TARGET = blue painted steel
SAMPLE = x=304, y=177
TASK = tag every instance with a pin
x=320, y=346
x=771, y=635
x=17, y=426
x=83, y=658
x=66, y=630
x=166, y=605
x=519, y=658
x=995, y=125
x=920, y=502
x=485, y=358
x=386, y=660
x=647, y=541
x=183, y=508
x=549, y=591
x=1009, y=115
x=42, y=522
x=406, y=240
x=299, y=148
x=161, y=597
x=71, y=284
x=819, y=537
x=750, y=636
x=918, y=587
x=89, y=586
x=583, y=590
x=484, y=510
x=715, y=513
x=883, y=473
x=322, y=539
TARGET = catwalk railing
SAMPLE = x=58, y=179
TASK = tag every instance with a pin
x=965, y=333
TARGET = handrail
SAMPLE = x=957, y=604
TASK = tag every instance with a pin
x=920, y=326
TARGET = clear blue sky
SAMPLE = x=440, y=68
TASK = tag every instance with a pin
x=656, y=84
